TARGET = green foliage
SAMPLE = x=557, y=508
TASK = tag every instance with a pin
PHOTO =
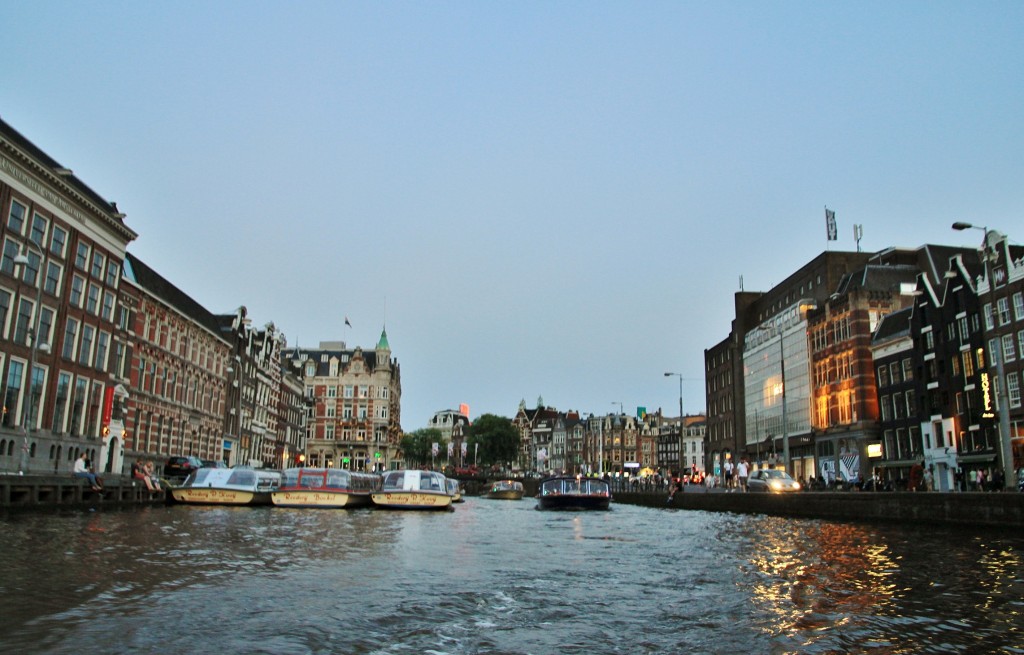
x=498, y=440
x=416, y=445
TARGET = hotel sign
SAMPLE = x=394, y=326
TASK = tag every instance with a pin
x=986, y=396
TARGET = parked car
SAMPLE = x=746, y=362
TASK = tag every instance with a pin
x=771, y=480
x=212, y=464
x=181, y=467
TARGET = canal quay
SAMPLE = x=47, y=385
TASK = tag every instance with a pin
x=1002, y=510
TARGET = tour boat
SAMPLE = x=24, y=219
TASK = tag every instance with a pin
x=412, y=489
x=323, y=487
x=455, y=490
x=235, y=486
x=577, y=493
x=506, y=490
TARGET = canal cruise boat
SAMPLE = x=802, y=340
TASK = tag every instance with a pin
x=325, y=487
x=574, y=493
x=506, y=490
x=414, y=490
x=241, y=485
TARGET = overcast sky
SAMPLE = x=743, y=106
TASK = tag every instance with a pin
x=533, y=197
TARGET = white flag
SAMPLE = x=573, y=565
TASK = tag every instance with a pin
x=830, y=224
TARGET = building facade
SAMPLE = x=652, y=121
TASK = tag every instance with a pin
x=355, y=400
x=62, y=342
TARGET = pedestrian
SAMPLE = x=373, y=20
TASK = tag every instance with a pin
x=929, y=478
x=982, y=476
x=728, y=475
x=81, y=470
x=741, y=473
x=916, y=476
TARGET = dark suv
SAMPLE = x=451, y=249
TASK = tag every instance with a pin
x=181, y=467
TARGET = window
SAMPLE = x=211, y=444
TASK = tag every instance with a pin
x=908, y=370
x=909, y=396
x=12, y=394
x=886, y=408
x=85, y=353
x=58, y=240
x=1004, y=310
x=1009, y=354
x=78, y=406
x=44, y=334
x=883, y=376
x=77, y=290
x=7, y=261
x=16, y=217
x=38, y=234
x=5, y=309
x=987, y=311
x=52, y=282
x=82, y=256
x=25, y=311
x=30, y=271
x=929, y=341
x=1013, y=389
x=97, y=265
x=93, y=302
x=108, y=307
x=332, y=391
x=70, y=339
x=102, y=344
x=349, y=391
x=898, y=406
x=60, y=408
x=894, y=372
x=968, y=362
x=111, y=274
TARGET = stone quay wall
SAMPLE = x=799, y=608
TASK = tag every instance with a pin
x=39, y=492
x=988, y=509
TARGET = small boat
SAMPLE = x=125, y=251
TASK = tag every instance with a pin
x=234, y=486
x=323, y=487
x=412, y=489
x=455, y=490
x=506, y=490
x=576, y=493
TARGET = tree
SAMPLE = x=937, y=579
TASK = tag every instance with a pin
x=494, y=440
x=417, y=445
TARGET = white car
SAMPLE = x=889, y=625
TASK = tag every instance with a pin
x=771, y=480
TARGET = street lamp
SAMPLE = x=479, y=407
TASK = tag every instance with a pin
x=682, y=442
x=32, y=336
x=989, y=254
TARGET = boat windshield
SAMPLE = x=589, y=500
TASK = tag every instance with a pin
x=575, y=486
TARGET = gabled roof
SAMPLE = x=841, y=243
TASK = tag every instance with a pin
x=139, y=273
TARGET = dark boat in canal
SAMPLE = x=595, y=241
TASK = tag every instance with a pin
x=574, y=493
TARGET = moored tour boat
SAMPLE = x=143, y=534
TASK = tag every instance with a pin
x=412, y=489
x=324, y=487
x=574, y=493
x=234, y=486
x=506, y=490
x=455, y=490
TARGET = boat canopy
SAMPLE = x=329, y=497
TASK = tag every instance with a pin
x=574, y=486
x=409, y=480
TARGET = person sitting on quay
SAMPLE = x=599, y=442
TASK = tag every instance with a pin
x=81, y=470
x=152, y=480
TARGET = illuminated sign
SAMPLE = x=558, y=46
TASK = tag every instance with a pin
x=986, y=396
x=874, y=450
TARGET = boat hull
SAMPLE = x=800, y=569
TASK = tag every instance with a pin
x=573, y=503
x=508, y=494
x=215, y=496
x=320, y=499
x=413, y=500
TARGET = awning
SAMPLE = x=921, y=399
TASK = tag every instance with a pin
x=976, y=459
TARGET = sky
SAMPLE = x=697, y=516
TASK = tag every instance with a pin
x=539, y=200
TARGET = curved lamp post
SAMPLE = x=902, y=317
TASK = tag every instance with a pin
x=990, y=255
x=33, y=344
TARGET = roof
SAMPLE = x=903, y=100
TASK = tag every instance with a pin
x=136, y=271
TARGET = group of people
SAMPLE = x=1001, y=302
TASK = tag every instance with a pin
x=736, y=476
x=144, y=470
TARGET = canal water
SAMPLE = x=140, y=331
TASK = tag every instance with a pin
x=499, y=577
